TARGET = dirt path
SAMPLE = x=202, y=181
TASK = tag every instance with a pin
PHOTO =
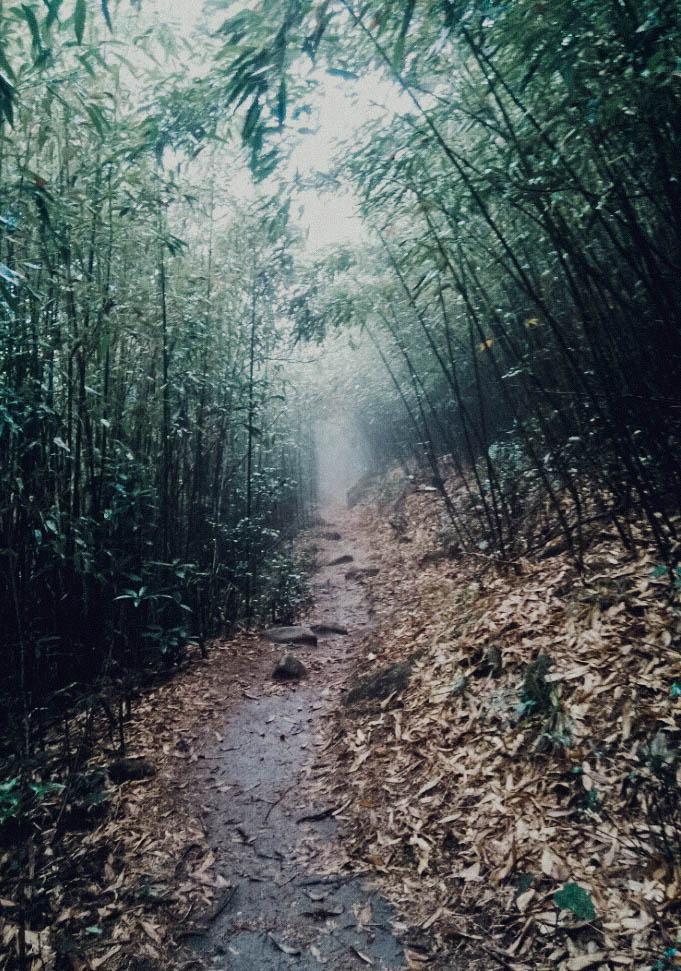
x=289, y=904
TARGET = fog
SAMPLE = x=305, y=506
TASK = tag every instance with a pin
x=342, y=458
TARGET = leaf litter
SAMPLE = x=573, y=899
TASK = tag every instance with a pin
x=525, y=832
x=474, y=815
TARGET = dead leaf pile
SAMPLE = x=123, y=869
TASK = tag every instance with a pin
x=475, y=805
x=119, y=894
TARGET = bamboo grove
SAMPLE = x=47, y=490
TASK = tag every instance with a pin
x=518, y=293
x=525, y=204
x=150, y=462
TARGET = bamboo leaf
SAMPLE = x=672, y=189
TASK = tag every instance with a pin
x=52, y=12
x=398, y=53
x=79, y=16
x=281, y=102
x=105, y=11
x=6, y=66
x=8, y=275
x=6, y=98
x=30, y=19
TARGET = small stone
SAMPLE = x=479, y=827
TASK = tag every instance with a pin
x=289, y=668
x=345, y=558
x=332, y=535
x=381, y=684
x=361, y=571
x=432, y=557
x=329, y=628
x=127, y=770
x=291, y=635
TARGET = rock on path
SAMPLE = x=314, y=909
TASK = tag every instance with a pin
x=289, y=668
x=329, y=628
x=291, y=635
x=358, y=572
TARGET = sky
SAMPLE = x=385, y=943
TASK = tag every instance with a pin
x=344, y=106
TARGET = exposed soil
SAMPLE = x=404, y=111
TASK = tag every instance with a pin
x=288, y=902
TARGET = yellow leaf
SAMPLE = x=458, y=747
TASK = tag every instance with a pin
x=486, y=344
x=532, y=322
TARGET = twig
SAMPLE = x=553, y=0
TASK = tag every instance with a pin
x=314, y=817
x=344, y=878
x=277, y=801
x=226, y=899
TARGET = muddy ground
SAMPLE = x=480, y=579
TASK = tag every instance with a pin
x=289, y=903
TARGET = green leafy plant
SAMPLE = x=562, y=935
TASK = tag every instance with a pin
x=655, y=785
x=14, y=804
x=535, y=693
x=668, y=960
x=542, y=707
x=9, y=799
x=673, y=572
x=577, y=900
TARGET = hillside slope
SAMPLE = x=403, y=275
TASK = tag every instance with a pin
x=520, y=796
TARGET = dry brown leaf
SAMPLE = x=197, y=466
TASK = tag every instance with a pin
x=151, y=931
x=585, y=961
x=363, y=914
x=362, y=957
x=428, y=786
x=102, y=961
x=522, y=902
x=415, y=962
x=471, y=873
x=429, y=921
x=284, y=948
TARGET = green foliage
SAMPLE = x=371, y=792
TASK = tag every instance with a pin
x=524, y=291
x=667, y=962
x=285, y=590
x=655, y=787
x=660, y=758
x=16, y=805
x=152, y=470
x=576, y=899
x=79, y=17
x=9, y=799
x=673, y=572
x=535, y=693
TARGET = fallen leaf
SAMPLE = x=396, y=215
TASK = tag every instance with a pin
x=102, y=961
x=523, y=900
x=362, y=957
x=429, y=921
x=151, y=932
x=363, y=913
x=284, y=948
x=586, y=961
